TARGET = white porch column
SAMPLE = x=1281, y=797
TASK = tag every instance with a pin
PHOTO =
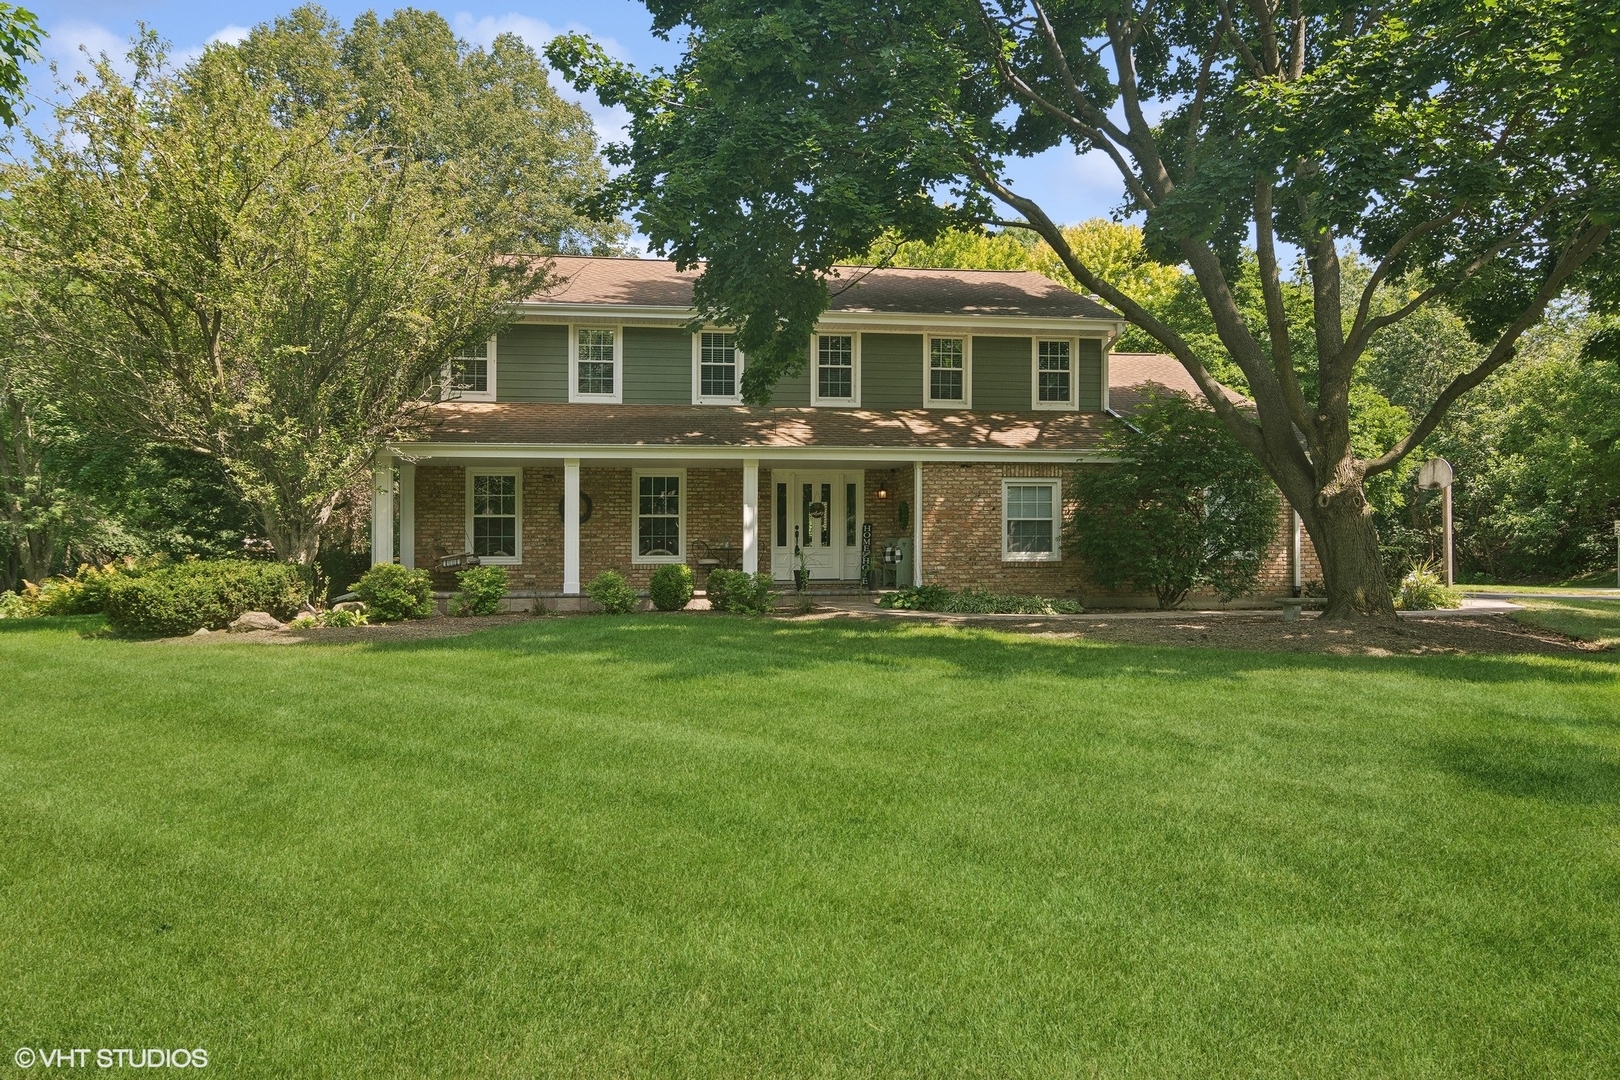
x=570, y=526
x=916, y=524
x=1299, y=553
x=382, y=509
x=407, y=514
x=750, y=551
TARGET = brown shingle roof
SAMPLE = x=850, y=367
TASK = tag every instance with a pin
x=767, y=429
x=890, y=290
x=1132, y=375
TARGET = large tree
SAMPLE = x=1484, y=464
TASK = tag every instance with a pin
x=269, y=255
x=19, y=37
x=1466, y=150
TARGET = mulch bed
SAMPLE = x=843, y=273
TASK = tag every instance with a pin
x=1456, y=635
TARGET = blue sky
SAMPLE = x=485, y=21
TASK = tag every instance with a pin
x=1071, y=188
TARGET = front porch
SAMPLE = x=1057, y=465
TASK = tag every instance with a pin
x=635, y=514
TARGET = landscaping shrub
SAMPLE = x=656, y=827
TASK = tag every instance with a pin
x=188, y=596
x=740, y=592
x=1421, y=590
x=482, y=589
x=14, y=606
x=612, y=591
x=975, y=602
x=671, y=587
x=393, y=593
x=345, y=617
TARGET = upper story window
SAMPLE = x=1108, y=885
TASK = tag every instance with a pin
x=470, y=375
x=836, y=361
x=1054, y=374
x=596, y=362
x=718, y=373
x=948, y=373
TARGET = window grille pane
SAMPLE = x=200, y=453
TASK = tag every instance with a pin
x=494, y=510
x=717, y=365
x=826, y=515
x=849, y=515
x=658, y=515
x=469, y=374
x=1054, y=369
x=596, y=361
x=945, y=369
x=945, y=385
x=835, y=366
x=1030, y=519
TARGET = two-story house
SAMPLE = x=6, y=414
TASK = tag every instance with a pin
x=940, y=414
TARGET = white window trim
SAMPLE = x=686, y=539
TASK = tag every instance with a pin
x=1035, y=401
x=615, y=398
x=451, y=394
x=931, y=402
x=854, y=376
x=1056, y=484
x=697, y=370
x=637, y=559
x=497, y=560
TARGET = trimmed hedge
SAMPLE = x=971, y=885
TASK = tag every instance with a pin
x=739, y=592
x=613, y=592
x=974, y=602
x=188, y=596
x=482, y=590
x=392, y=593
x=671, y=587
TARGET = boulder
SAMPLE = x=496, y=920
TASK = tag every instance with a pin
x=350, y=605
x=256, y=620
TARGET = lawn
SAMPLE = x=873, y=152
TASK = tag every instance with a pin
x=701, y=846
x=1590, y=620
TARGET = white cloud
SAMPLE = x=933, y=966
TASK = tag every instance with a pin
x=230, y=34
x=74, y=45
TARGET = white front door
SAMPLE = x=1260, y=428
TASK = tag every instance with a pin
x=824, y=514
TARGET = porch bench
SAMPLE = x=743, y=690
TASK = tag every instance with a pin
x=1293, y=605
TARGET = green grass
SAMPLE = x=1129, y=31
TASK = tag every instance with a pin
x=691, y=846
x=1592, y=620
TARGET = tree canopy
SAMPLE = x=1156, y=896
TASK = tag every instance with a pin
x=269, y=255
x=19, y=37
x=1467, y=151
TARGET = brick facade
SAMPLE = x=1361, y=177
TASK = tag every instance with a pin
x=961, y=515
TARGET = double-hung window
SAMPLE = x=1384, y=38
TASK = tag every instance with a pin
x=595, y=353
x=719, y=369
x=1054, y=374
x=494, y=515
x=835, y=369
x=1029, y=520
x=947, y=371
x=660, y=515
x=470, y=375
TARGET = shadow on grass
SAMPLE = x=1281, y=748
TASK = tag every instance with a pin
x=682, y=648
x=1527, y=769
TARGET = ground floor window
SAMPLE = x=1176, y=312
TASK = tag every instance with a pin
x=1029, y=514
x=659, y=517
x=493, y=510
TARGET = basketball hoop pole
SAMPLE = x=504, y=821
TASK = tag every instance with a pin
x=1446, y=514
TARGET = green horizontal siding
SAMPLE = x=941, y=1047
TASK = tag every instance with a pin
x=531, y=363
x=1088, y=372
x=792, y=391
x=657, y=366
x=891, y=371
x=1001, y=373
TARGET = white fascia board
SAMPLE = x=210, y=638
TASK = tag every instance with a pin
x=420, y=451
x=834, y=320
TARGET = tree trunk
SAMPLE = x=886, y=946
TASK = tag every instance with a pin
x=1341, y=526
x=295, y=541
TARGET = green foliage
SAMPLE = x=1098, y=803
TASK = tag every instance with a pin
x=1422, y=590
x=1188, y=508
x=612, y=592
x=671, y=587
x=269, y=255
x=482, y=588
x=393, y=593
x=19, y=40
x=15, y=606
x=343, y=618
x=191, y=595
x=974, y=602
x=740, y=592
x=84, y=593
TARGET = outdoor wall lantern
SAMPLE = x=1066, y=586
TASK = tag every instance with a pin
x=883, y=491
